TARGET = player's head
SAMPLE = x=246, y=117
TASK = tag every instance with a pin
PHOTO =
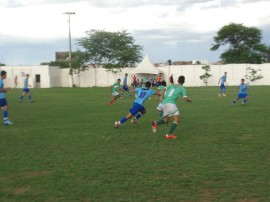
x=118, y=80
x=147, y=84
x=126, y=74
x=163, y=83
x=27, y=75
x=242, y=80
x=225, y=73
x=181, y=80
x=3, y=74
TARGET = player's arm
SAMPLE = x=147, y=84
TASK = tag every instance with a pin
x=4, y=90
x=186, y=99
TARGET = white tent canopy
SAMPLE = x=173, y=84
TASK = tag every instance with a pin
x=146, y=67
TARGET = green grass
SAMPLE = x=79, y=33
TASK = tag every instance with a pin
x=64, y=147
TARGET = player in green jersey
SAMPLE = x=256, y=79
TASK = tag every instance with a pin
x=170, y=107
x=115, y=91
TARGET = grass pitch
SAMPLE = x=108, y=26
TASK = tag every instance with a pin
x=64, y=147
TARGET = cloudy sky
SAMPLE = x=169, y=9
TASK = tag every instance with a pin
x=33, y=30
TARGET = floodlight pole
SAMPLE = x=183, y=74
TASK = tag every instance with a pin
x=69, y=37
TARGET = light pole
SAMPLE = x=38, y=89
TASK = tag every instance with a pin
x=69, y=37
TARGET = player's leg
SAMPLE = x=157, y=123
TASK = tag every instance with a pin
x=4, y=107
x=22, y=96
x=173, y=126
x=245, y=100
x=30, y=96
x=141, y=112
x=132, y=112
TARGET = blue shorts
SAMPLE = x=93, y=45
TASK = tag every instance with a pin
x=26, y=90
x=222, y=87
x=242, y=95
x=3, y=102
x=136, y=108
x=125, y=88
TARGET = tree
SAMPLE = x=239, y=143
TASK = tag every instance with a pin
x=206, y=74
x=1, y=64
x=252, y=74
x=110, y=49
x=244, y=44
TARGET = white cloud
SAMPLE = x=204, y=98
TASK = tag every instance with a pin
x=152, y=22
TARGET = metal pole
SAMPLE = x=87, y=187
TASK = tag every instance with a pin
x=69, y=37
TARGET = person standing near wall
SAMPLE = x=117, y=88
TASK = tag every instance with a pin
x=26, y=89
x=222, y=81
x=3, y=101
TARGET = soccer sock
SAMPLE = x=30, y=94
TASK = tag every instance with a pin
x=123, y=120
x=5, y=114
x=161, y=114
x=21, y=98
x=30, y=98
x=235, y=101
x=245, y=101
x=172, y=128
x=139, y=115
x=129, y=94
x=160, y=121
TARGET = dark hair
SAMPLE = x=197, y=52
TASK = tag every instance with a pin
x=3, y=73
x=118, y=79
x=181, y=80
x=148, y=84
x=243, y=80
x=163, y=83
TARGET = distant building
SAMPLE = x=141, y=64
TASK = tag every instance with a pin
x=200, y=62
x=182, y=63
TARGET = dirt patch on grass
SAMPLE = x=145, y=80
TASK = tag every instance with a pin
x=20, y=190
x=33, y=174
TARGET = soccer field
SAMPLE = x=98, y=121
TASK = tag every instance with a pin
x=64, y=147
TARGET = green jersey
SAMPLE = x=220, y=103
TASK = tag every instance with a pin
x=115, y=87
x=160, y=88
x=172, y=94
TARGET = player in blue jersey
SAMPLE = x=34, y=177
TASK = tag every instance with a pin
x=222, y=81
x=125, y=86
x=26, y=89
x=3, y=101
x=242, y=94
x=138, y=109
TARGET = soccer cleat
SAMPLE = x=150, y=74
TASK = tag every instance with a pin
x=135, y=121
x=116, y=124
x=8, y=123
x=171, y=136
x=224, y=95
x=154, y=126
x=231, y=104
x=20, y=101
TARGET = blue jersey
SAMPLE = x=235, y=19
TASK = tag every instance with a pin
x=2, y=94
x=223, y=79
x=125, y=81
x=243, y=88
x=25, y=83
x=143, y=94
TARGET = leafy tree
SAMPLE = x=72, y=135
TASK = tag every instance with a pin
x=1, y=64
x=206, y=74
x=244, y=44
x=110, y=49
x=252, y=74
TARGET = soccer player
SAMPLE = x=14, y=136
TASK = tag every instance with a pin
x=26, y=89
x=115, y=91
x=170, y=107
x=3, y=101
x=160, y=91
x=138, y=109
x=125, y=86
x=243, y=88
x=222, y=81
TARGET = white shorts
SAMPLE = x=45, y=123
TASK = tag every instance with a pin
x=115, y=94
x=170, y=110
x=160, y=107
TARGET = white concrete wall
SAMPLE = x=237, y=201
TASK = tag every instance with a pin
x=55, y=77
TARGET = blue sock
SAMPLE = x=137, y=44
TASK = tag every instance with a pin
x=5, y=113
x=21, y=98
x=129, y=94
x=245, y=101
x=30, y=98
x=123, y=120
x=139, y=115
